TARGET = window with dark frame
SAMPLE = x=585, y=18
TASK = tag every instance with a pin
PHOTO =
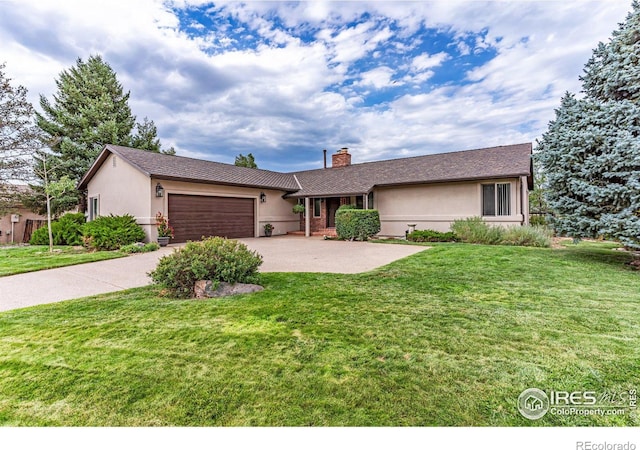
x=496, y=199
x=370, y=200
x=317, y=204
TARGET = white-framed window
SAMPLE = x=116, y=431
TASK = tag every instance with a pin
x=94, y=207
x=317, y=204
x=496, y=199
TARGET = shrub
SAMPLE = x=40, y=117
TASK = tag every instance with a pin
x=215, y=258
x=358, y=224
x=528, y=236
x=65, y=231
x=432, y=236
x=70, y=228
x=139, y=247
x=111, y=232
x=538, y=219
x=41, y=235
x=474, y=230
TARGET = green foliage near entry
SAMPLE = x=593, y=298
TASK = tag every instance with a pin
x=432, y=236
x=358, y=224
x=447, y=337
x=111, y=232
x=214, y=258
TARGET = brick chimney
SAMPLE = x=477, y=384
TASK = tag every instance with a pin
x=342, y=158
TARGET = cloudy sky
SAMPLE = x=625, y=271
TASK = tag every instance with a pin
x=284, y=80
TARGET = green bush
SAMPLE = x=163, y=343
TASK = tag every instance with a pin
x=41, y=235
x=358, y=224
x=70, y=228
x=538, y=219
x=140, y=248
x=527, y=236
x=474, y=230
x=65, y=231
x=432, y=236
x=215, y=258
x=111, y=232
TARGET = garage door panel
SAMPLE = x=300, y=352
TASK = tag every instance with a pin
x=195, y=216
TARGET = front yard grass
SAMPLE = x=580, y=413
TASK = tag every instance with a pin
x=14, y=260
x=450, y=337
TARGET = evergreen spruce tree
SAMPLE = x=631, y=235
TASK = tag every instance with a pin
x=246, y=161
x=591, y=151
x=146, y=138
x=89, y=110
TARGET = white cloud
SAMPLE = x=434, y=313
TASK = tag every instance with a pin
x=379, y=77
x=286, y=96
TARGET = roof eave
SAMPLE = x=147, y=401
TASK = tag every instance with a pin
x=325, y=195
x=451, y=180
x=200, y=181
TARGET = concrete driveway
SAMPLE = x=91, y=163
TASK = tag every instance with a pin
x=280, y=253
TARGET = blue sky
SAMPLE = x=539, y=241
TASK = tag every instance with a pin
x=284, y=80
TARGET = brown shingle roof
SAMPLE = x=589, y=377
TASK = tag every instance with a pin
x=170, y=167
x=495, y=162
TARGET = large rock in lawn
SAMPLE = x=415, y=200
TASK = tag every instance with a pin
x=204, y=289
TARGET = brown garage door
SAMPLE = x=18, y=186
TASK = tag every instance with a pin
x=194, y=216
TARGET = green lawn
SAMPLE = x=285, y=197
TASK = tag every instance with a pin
x=14, y=260
x=449, y=336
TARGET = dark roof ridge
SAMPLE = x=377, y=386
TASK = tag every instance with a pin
x=415, y=157
x=192, y=159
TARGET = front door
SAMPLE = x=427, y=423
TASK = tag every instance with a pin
x=332, y=206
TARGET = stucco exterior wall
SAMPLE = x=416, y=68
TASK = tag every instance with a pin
x=6, y=236
x=122, y=189
x=275, y=210
x=436, y=206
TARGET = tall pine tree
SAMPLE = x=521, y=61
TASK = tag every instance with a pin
x=89, y=109
x=591, y=151
x=146, y=138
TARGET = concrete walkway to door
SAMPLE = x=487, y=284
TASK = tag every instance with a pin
x=280, y=253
